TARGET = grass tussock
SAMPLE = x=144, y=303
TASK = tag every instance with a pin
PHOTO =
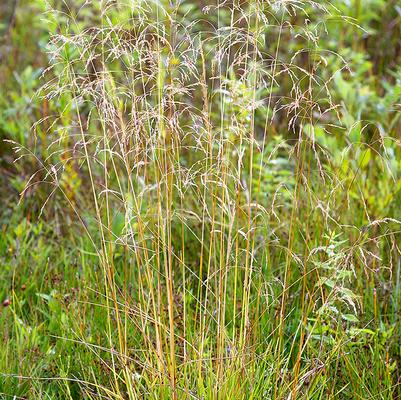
x=218, y=192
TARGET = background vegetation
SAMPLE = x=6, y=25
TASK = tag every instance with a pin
x=201, y=200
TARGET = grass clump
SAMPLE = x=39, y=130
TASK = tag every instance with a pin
x=209, y=205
